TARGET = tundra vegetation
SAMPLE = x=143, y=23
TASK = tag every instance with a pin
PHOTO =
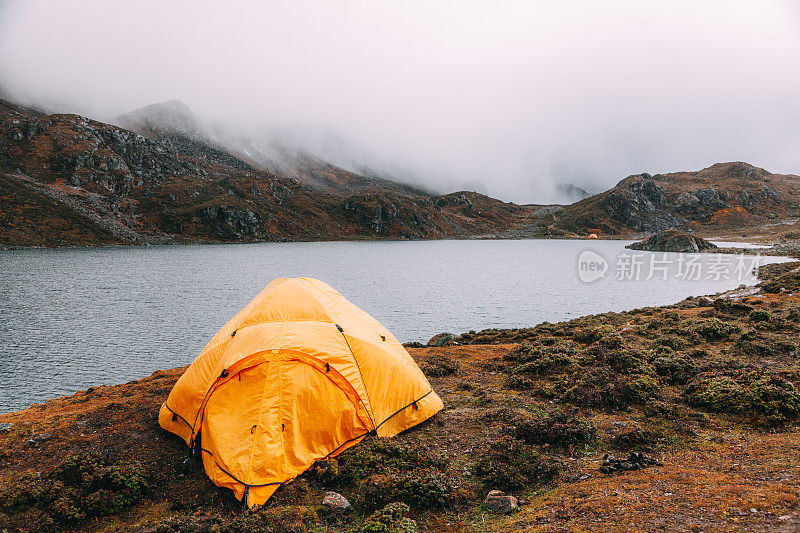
x=707, y=388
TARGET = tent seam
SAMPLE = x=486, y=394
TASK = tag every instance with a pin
x=404, y=408
x=237, y=480
x=369, y=327
x=355, y=359
x=176, y=414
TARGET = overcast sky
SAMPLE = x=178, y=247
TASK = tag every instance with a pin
x=518, y=95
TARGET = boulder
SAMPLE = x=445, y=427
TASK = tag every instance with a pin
x=334, y=502
x=500, y=502
x=673, y=241
x=705, y=301
x=441, y=339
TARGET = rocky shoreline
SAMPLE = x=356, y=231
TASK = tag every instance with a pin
x=702, y=395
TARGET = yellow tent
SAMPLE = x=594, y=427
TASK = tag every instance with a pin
x=297, y=376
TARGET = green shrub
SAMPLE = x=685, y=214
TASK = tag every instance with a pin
x=789, y=281
x=523, y=353
x=673, y=341
x=558, y=429
x=587, y=335
x=422, y=489
x=751, y=348
x=714, y=329
x=390, y=519
x=675, y=368
x=763, y=395
x=383, y=456
x=602, y=387
x=439, y=365
x=549, y=362
x=82, y=486
x=611, y=339
x=671, y=315
x=510, y=464
x=636, y=439
x=759, y=316
x=732, y=307
x=518, y=382
x=625, y=360
x=267, y=519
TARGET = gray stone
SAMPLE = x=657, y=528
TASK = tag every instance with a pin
x=673, y=241
x=335, y=503
x=500, y=502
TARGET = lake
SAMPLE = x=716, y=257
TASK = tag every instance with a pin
x=73, y=318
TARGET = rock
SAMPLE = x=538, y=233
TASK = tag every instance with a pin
x=634, y=461
x=5, y=426
x=232, y=222
x=441, y=339
x=500, y=502
x=705, y=301
x=639, y=203
x=334, y=502
x=673, y=241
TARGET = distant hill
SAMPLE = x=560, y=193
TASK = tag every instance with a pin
x=69, y=180
x=722, y=197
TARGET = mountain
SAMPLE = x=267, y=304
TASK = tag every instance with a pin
x=572, y=192
x=69, y=180
x=722, y=197
x=173, y=123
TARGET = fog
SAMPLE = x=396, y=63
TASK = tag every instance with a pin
x=516, y=97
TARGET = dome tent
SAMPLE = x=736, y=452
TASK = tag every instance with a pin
x=297, y=376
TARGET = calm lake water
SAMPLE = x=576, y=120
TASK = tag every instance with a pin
x=73, y=318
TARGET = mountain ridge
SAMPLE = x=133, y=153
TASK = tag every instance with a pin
x=69, y=180
x=721, y=197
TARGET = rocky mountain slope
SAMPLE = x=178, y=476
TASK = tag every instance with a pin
x=172, y=123
x=66, y=180
x=722, y=197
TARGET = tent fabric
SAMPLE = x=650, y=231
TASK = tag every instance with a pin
x=297, y=376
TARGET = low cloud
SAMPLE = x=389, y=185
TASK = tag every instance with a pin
x=518, y=97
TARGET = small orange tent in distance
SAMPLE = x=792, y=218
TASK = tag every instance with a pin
x=297, y=376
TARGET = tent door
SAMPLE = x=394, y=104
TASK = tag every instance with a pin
x=273, y=420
